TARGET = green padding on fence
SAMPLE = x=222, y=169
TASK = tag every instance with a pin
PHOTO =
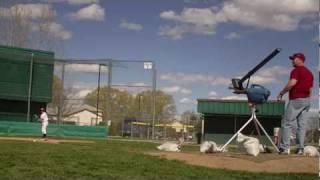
x=34, y=129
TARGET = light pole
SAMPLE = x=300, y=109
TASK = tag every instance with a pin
x=152, y=66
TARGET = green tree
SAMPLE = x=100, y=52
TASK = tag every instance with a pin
x=192, y=118
x=124, y=105
x=121, y=106
x=165, y=105
x=56, y=91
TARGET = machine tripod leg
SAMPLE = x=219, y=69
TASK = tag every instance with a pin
x=257, y=123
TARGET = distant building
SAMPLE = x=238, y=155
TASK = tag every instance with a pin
x=84, y=115
x=179, y=127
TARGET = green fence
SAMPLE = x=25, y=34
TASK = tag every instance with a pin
x=15, y=74
x=34, y=129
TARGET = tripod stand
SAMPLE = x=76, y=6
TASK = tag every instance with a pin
x=256, y=121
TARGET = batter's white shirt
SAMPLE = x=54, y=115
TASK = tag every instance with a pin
x=44, y=117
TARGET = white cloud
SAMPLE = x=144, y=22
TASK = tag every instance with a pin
x=80, y=89
x=140, y=84
x=185, y=91
x=58, y=31
x=191, y=20
x=182, y=78
x=173, y=89
x=132, y=88
x=265, y=76
x=185, y=101
x=131, y=26
x=79, y=2
x=233, y=35
x=72, y=2
x=34, y=11
x=213, y=95
x=87, y=68
x=277, y=15
x=92, y=12
x=270, y=75
x=284, y=15
x=176, y=89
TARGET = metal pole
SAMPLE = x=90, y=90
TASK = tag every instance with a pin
x=165, y=131
x=98, y=93
x=265, y=132
x=108, y=117
x=30, y=87
x=154, y=97
x=235, y=124
x=131, y=127
x=224, y=146
x=60, y=109
x=139, y=98
x=258, y=130
x=202, y=128
x=122, y=127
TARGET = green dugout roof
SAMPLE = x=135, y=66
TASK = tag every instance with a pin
x=238, y=107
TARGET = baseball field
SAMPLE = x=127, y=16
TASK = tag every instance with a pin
x=31, y=158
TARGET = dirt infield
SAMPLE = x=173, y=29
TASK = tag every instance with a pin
x=39, y=140
x=263, y=163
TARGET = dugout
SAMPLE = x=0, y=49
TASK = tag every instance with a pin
x=26, y=77
x=222, y=118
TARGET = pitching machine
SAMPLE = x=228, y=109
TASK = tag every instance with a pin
x=256, y=94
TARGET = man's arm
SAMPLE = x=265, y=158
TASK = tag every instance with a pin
x=310, y=92
x=288, y=87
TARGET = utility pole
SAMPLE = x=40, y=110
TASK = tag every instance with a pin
x=154, y=97
x=108, y=117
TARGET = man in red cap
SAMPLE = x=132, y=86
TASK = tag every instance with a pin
x=299, y=88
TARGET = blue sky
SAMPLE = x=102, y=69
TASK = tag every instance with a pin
x=198, y=46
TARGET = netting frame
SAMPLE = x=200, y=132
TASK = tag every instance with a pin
x=111, y=63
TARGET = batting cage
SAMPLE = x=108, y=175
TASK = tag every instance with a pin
x=90, y=98
x=104, y=92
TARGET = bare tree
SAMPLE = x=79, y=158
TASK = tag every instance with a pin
x=33, y=25
x=15, y=25
x=21, y=27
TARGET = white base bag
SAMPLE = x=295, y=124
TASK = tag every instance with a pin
x=208, y=147
x=248, y=144
x=169, y=146
x=311, y=151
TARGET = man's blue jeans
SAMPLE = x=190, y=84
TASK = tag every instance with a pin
x=295, y=115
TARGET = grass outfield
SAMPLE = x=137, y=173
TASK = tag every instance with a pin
x=107, y=160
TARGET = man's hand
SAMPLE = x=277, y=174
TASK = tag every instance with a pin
x=288, y=87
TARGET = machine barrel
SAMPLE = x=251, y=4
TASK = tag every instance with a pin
x=262, y=63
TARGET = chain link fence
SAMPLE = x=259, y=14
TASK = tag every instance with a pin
x=110, y=93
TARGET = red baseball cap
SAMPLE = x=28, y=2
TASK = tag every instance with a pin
x=298, y=55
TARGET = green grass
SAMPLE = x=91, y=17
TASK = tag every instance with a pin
x=107, y=160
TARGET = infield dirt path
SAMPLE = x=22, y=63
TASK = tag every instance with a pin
x=50, y=141
x=263, y=163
